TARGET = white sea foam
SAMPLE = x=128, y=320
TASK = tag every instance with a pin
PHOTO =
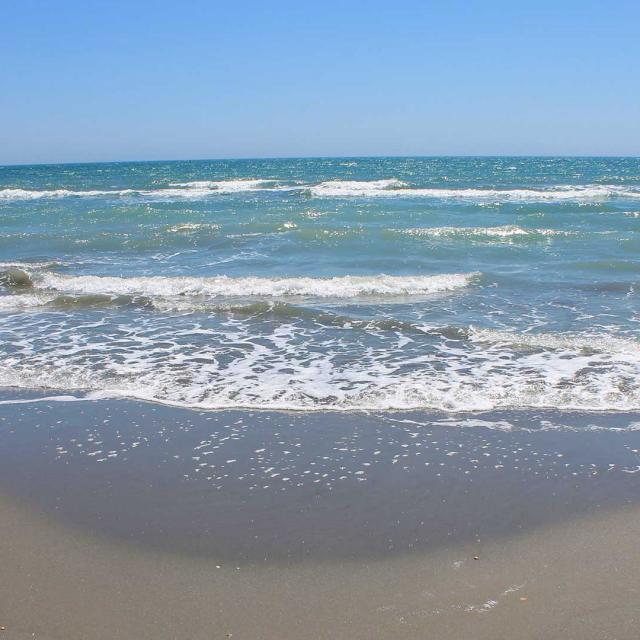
x=227, y=186
x=396, y=188
x=199, y=189
x=188, y=190
x=58, y=398
x=500, y=232
x=264, y=379
x=23, y=301
x=35, y=264
x=560, y=341
x=28, y=194
x=191, y=227
x=225, y=286
x=298, y=366
x=341, y=188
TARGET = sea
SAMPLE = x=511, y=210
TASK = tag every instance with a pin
x=448, y=284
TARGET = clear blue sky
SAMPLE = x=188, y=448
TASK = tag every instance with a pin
x=85, y=81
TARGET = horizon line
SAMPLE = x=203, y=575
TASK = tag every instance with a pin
x=315, y=157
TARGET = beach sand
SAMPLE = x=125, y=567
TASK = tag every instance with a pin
x=578, y=580
x=260, y=525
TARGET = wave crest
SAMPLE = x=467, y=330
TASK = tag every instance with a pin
x=501, y=232
x=225, y=286
x=392, y=187
x=186, y=190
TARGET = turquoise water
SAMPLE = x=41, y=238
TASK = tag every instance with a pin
x=378, y=284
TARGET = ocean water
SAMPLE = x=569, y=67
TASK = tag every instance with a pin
x=447, y=284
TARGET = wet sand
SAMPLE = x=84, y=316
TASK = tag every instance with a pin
x=578, y=580
x=273, y=525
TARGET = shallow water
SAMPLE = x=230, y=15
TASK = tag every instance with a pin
x=272, y=487
x=449, y=284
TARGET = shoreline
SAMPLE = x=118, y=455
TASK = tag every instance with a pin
x=356, y=526
x=268, y=488
x=20, y=395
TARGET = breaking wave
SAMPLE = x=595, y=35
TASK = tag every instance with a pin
x=397, y=188
x=337, y=287
x=188, y=292
x=187, y=190
x=389, y=188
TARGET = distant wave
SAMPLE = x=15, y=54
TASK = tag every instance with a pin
x=188, y=190
x=350, y=188
x=389, y=188
x=500, y=232
x=29, y=194
x=396, y=188
x=30, y=265
x=193, y=227
x=231, y=186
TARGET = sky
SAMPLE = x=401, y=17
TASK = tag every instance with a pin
x=86, y=81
